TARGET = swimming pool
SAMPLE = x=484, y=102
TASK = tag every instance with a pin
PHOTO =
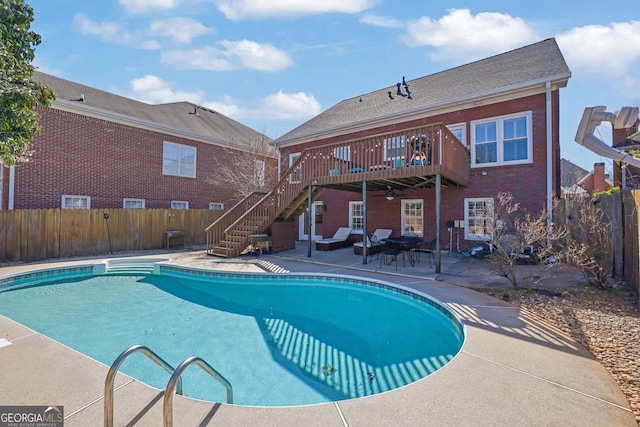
x=281, y=340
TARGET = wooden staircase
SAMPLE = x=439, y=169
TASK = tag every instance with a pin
x=344, y=166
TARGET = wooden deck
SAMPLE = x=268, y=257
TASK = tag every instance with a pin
x=411, y=158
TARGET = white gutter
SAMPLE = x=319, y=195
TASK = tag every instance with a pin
x=624, y=118
x=549, y=155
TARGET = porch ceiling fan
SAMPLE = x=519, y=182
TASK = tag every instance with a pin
x=390, y=194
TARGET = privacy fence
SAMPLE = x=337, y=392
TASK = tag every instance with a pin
x=621, y=211
x=38, y=234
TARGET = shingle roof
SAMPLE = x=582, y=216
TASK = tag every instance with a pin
x=533, y=64
x=570, y=173
x=177, y=114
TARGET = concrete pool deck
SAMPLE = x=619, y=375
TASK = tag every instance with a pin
x=513, y=370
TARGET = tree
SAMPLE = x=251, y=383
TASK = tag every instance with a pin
x=518, y=235
x=247, y=168
x=19, y=94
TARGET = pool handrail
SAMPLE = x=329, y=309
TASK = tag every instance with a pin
x=113, y=370
x=175, y=378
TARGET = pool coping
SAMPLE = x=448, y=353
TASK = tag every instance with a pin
x=513, y=369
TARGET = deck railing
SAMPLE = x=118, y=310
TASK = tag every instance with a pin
x=422, y=151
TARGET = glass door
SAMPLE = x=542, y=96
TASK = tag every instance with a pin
x=316, y=223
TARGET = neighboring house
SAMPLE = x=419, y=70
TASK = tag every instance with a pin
x=101, y=150
x=578, y=181
x=426, y=157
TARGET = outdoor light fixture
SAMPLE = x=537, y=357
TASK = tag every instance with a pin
x=389, y=196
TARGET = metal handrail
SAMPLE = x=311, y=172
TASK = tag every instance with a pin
x=113, y=370
x=175, y=377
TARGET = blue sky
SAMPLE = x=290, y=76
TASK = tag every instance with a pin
x=273, y=64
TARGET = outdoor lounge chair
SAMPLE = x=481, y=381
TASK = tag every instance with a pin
x=339, y=240
x=373, y=241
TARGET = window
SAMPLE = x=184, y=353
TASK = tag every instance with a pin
x=478, y=217
x=412, y=216
x=133, y=203
x=178, y=160
x=394, y=148
x=177, y=204
x=76, y=202
x=295, y=175
x=216, y=206
x=459, y=130
x=356, y=216
x=502, y=140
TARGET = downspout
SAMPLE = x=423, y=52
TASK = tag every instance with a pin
x=549, y=158
x=12, y=184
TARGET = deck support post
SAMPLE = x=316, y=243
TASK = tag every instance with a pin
x=438, y=208
x=309, y=210
x=364, y=223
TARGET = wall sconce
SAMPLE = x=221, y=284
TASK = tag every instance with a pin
x=484, y=173
x=324, y=207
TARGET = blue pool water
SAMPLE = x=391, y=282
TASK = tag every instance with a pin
x=279, y=340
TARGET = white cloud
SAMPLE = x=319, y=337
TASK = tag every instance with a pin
x=142, y=6
x=462, y=36
x=603, y=50
x=154, y=90
x=111, y=32
x=179, y=29
x=381, y=21
x=237, y=10
x=279, y=106
x=232, y=55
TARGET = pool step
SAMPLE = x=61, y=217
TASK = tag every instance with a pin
x=131, y=268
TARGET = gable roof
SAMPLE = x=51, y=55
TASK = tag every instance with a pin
x=175, y=118
x=570, y=173
x=519, y=69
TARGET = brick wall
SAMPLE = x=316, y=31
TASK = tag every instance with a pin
x=79, y=155
x=527, y=182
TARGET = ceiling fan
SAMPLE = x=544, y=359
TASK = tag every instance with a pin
x=390, y=194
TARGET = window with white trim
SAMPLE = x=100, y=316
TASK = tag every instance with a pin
x=356, y=216
x=413, y=216
x=178, y=160
x=504, y=140
x=133, y=203
x=295, y=175
x=395, y=148
x=459, y=130
x=216, y=206
x=478, y=218
x=76, y=202
x=179, y=204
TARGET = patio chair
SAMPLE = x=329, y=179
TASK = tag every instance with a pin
x=373, y=241
x=390, y=253
x=339, y=240
x=424, y=248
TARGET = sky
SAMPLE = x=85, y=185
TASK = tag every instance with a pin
x=274, y=64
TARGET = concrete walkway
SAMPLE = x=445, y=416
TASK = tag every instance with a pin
x=513, y=370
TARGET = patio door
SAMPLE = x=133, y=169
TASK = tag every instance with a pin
x=316, y=223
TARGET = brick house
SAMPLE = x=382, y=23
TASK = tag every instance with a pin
x=101, y=150
x=578, y=181
x=426, y=156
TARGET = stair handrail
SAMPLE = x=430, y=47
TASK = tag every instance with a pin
x=175, y=379
x=113, y=370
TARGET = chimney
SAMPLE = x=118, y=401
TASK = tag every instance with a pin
x=599, y=183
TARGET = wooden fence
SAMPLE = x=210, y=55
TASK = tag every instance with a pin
x=38, y=234
x=621, y=211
